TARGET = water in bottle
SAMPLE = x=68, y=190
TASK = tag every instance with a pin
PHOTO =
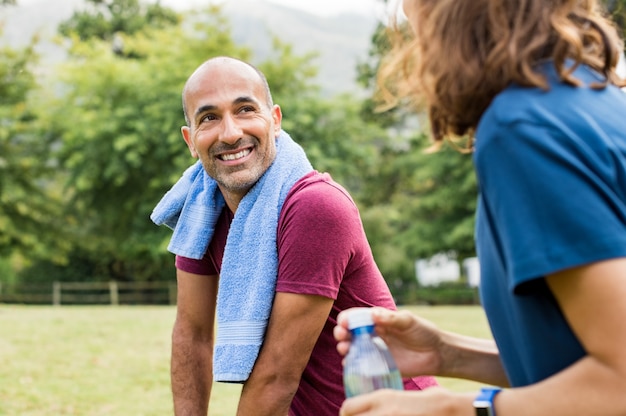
x=368, y=365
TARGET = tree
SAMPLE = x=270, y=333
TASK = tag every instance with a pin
x=103, y=19
x=437, y=202
x=114, y=129
x=417, y=203
x=27, y=204
x=617, y=10
x=116, y=123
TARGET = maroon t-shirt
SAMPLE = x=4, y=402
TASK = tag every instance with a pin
x=322, y=250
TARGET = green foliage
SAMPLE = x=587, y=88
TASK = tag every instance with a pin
x=289, y=75
x=102, y=19
x=28, y=203
x=117, y=123
x=367, y=71
x=437, y=201
x=617, y=10
x=117, y=140
x=80, y=267
x=447, y=293
x=7, y=273
x=108, y=140
x=415, y=203
x=336, y=139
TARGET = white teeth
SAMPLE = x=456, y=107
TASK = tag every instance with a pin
x=235, y=156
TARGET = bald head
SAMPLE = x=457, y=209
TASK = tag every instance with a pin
x=224, y=64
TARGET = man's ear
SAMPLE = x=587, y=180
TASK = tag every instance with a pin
x=186, y=132
x=277, y=116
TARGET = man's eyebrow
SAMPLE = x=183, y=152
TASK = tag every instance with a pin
x=245, y=99
x=239, y=100
x=205, y=108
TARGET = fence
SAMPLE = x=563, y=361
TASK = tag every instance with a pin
x=88, y=293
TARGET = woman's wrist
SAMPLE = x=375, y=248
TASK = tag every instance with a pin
x=470, y=358
x=463, y=405
x=451, y=354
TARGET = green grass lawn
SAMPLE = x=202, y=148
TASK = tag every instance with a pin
x=114, y=361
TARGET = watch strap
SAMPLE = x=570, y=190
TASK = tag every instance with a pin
x=483, y=404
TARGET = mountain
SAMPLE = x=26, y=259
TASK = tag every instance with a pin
x=340, y=41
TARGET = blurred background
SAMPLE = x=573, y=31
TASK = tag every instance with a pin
x=90, y=116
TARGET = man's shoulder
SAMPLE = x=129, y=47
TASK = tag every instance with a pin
x=315, y=185
x=317, y=195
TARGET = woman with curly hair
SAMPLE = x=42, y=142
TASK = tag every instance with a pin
x=532, y=86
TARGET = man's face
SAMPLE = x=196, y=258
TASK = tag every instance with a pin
x=232, y=129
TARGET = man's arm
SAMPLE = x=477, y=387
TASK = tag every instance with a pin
x=192, y=343
x=295, y=324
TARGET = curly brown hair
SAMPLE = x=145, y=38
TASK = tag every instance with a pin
x=464, y=52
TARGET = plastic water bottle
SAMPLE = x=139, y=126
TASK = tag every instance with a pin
x=368, y=365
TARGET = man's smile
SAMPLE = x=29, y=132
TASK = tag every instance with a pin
x=228, y=157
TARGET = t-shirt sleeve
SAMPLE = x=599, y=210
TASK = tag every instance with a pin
x=317, y=231
x=203, y=266
x=553, y=197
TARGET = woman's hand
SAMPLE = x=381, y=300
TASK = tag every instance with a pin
x=429, y=402
x=414, y=342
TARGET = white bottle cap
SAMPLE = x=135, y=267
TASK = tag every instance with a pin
x=358, y=317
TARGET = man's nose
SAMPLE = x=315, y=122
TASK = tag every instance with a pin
x=230, y=132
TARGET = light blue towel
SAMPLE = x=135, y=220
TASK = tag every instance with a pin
x=250, y=263
x=191, y=208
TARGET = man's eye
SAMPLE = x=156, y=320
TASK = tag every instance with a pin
x=246, y=109
x=209, y=117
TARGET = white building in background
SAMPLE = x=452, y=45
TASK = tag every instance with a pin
x=471, y=267
x=621, y=67
x=443, y=268
x=439, y=268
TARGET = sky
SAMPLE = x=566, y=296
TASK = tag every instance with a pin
x=318, y=7
x=332, y=7
x=326, y=8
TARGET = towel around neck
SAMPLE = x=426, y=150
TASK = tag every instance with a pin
x=250, y=264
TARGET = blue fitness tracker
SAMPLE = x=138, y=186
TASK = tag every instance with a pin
x=483, y=404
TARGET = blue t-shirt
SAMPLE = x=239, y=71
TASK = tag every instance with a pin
x=551, y=167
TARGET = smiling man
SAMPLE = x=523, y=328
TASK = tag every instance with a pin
x=232, y=125
x=268, y=252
